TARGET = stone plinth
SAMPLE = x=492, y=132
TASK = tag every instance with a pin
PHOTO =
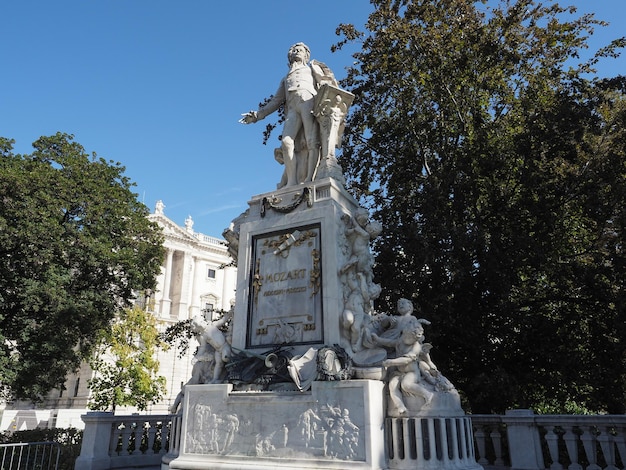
x=337, y=425
x=291, y=247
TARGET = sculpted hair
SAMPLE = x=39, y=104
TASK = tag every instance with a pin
x=306, y=48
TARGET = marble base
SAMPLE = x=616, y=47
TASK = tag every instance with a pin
x=337, y=425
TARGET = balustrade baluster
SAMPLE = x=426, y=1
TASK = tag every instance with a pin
x=115, y=437
x=445, y=442
x=126, y=434
x=151, y=428
x=608, y=447
x=620, y=442
x=571, y=445
x=552, y=439
x=138, y=433
x=175, y=435
x=589, y=444
x=432, y=440
x=454, y=442
x=480, y=437
x=496, y=441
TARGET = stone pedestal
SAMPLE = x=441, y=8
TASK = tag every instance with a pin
x=337, y=425
x=291, y=247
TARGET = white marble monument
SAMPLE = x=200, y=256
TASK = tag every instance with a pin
x=311, y=375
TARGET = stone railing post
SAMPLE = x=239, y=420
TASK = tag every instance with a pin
x=524, y=440
x=94, y=451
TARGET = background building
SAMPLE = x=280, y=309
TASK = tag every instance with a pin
x=195, y=279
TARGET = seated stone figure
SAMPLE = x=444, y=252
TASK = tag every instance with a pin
x=213, y=352
x=406, y=378
x=394, y=324
x=416, y=387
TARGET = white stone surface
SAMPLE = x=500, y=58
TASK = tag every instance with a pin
x=313, y=122
x=336, y=425
x=315, y=312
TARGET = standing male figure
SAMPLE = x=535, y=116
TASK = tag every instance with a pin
x=297, y=92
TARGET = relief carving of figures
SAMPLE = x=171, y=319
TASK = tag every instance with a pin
x=297, y=91
x=342, y=435
x=325, y=430
x=308, y=424
x=214, y=432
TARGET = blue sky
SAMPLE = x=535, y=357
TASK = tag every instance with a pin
x=160, y=85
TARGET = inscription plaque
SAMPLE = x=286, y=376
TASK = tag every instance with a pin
x=285, y=304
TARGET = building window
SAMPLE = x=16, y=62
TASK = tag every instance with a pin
x=76, y=387
x=211, y=273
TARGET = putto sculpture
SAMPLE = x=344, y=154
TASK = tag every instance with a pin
x=314, y=110
x=416, y=387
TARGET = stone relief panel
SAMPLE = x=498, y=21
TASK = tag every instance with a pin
x=287, y=429
x=285, y=304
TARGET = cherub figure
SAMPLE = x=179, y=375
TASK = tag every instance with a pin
x=430, y=373
x=359, y=232
x=406, y=378
x=395, y=324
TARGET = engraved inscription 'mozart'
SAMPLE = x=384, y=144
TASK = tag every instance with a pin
x=285, y=288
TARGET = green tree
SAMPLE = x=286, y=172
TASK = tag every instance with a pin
x=125, y=367
x=496, y=164
x=75, y=244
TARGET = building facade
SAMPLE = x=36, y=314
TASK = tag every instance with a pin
x=196, y=279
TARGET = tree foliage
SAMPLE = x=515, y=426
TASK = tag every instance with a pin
x=75, y=244
x=125, y=364
x=496, y=163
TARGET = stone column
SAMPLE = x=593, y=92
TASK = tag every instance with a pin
x=185, y=286
x=166, y=302
x=194, y=298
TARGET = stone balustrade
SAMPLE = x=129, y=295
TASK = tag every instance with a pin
x=521, y=440
x=137, y=441
x=518, y=440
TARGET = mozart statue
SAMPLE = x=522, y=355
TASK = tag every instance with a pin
x=300, y=146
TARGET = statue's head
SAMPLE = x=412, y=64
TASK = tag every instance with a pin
x=362, y=216
x=198, y=324
x=374, y=228
x=405, y=307
x=299, y=48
